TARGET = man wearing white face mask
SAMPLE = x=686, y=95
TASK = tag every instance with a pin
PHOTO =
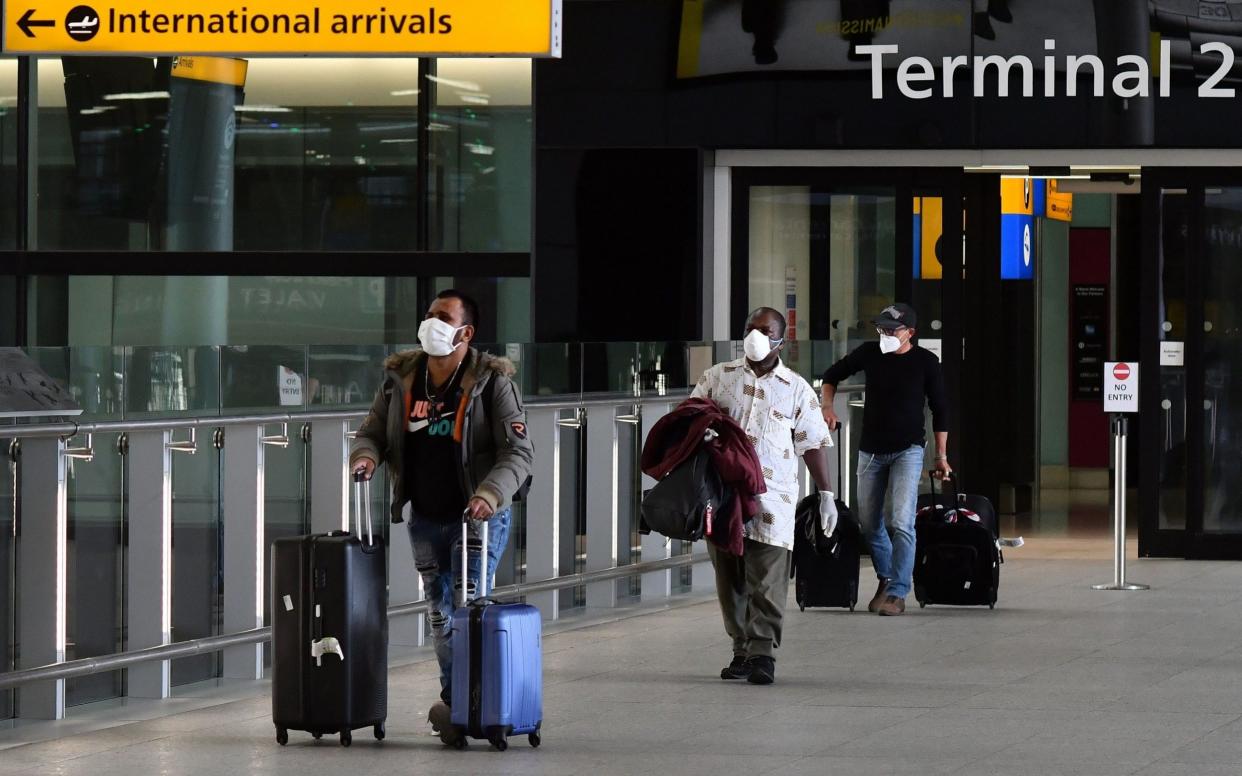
x=779, y=411
x=902, y=379
x=449, y=422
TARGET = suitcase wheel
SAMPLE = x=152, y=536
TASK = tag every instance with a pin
x=500, y=742
x=317, y=736
x=347, y=738
x=535, y=740
x=380, y=732
x=282, y=736
x=992, y=606
x=802, y=607
x=851, y=607
x=460, y=743
x=922, y=604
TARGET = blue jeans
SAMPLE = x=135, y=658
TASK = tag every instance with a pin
x=897, y=476
x=437, y=556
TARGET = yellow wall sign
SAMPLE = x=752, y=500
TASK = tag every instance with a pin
x=1060, y=205
x=526, y=28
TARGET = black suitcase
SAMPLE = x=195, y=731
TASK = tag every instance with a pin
x=330, y=631
x=825, y=569
x=957, y=558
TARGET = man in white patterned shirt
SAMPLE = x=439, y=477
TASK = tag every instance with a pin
x=780, y=413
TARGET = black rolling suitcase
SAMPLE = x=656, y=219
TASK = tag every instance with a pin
x=330, y=631
x=825, y=568
x=957, y=557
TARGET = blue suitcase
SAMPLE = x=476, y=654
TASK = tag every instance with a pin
x=497, y=663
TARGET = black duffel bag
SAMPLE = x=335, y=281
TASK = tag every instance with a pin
x=684, y=503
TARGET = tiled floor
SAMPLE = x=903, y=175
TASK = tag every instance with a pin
x=1058, y=680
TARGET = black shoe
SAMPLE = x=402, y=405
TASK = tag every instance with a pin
x=738, y=669
x=765, y=53
x=441, y=718
x=762, y=670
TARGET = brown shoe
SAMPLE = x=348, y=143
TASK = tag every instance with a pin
x=892, y=606
x=878, y=599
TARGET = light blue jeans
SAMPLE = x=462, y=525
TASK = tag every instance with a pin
x=895, y=476
x=437, y=556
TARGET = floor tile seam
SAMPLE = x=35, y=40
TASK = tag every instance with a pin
x=1194, y=742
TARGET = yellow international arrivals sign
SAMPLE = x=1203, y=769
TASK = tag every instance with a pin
x=523, y=28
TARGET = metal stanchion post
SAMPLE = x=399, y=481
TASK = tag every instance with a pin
x=1119, y=511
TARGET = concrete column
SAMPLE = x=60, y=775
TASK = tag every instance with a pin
x=245, y=546
x=601, y=502
x=149, y=559
x=42, y=559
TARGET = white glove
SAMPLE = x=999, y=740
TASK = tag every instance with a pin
x=827, y=512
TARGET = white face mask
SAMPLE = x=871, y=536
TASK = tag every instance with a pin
x=889, y=343
x=758, y=346
x=437, y=337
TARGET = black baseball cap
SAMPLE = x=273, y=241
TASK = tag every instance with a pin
x=895, y=316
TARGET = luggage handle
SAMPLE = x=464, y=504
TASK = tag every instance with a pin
x=957, y=487
x=362, y=505
x=465, y=557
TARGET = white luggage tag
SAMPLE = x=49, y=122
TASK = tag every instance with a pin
x=326, y=646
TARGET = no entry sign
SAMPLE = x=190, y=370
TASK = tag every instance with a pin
x=1121, y=387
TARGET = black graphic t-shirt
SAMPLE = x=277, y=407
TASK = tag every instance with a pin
x=431, y=466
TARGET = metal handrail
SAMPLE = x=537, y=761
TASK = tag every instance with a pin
x=70, y=429
x=96, y=665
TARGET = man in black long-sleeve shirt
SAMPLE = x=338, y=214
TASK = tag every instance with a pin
x=902, y=378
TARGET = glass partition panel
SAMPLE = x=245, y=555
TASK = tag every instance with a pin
x=344, y=377
x=263, y=378
x=1172, y=251
x=198, y=576
x=482, y=139
x=180, y=381
x=1222, y=359
x=96, y=566
x=286, y=498
x=629, y=501
x=8, y=568
x=8, y=153
x=318, y=155
x=573, y=507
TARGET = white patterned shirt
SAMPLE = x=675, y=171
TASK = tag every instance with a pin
x=780, y=414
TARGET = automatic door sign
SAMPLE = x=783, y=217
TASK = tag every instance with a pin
x=1121, y=387
x=247, y=28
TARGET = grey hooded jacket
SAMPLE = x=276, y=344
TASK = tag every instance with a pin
x=495, y=449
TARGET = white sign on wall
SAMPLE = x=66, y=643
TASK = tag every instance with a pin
x=1121, y=387
x=935, y=346
x=290, y=383
x=1172, y=354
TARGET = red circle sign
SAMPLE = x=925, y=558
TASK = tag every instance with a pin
x=1121, y=371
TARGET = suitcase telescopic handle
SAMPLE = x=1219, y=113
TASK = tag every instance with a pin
x=362, y=504
x=957, y=487
x=465, y=556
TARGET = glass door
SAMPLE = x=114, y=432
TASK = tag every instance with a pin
x=1192, y=388
x=831, y=248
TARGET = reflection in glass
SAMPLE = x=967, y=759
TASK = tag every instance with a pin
x=481, y=144
x=1222, y=359
x=96, y=566
x=8, y=569
x=796, y=233
x=1172, y=278
x=8, y=154
x=197, y=533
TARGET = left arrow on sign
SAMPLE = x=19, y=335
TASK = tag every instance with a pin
x=26, y=22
